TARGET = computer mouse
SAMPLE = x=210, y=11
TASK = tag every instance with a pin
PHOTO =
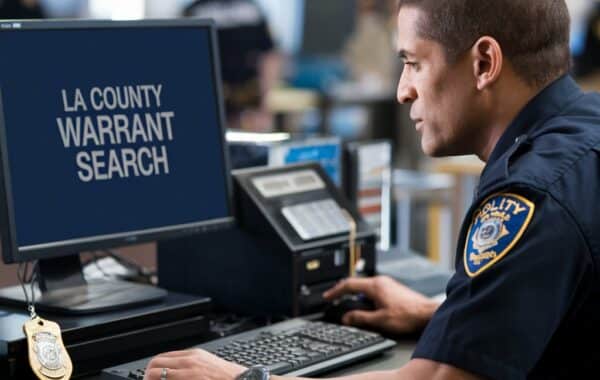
x=338, y=308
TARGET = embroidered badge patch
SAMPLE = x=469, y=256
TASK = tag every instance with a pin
x=496, y=227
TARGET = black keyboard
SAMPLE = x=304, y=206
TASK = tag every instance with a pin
x=296, y=347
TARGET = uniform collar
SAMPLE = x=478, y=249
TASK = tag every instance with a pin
x=544, y=105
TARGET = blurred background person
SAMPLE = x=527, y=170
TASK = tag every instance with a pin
x=369, y=52
x=250, y=61
x=20, y=9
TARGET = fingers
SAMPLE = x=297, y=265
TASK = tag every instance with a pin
x=176, y=360
x=160, y=362
x=155, y=373
x=351, y=285
x=174, y=354
x=362, y=318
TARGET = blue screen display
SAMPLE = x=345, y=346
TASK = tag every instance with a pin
x=326, y=152
x=327, y=155
x=111, y=131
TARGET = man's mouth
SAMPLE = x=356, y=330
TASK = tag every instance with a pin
x=418, y=124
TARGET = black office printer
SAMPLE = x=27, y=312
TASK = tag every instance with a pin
x=293, y=241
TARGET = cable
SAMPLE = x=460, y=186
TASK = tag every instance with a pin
x=351, y=242
x=24, y=279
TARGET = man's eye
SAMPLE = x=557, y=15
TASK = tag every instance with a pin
x=413, y=65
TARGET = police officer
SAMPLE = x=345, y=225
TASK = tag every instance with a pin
x=250, y=61
x=489, y=77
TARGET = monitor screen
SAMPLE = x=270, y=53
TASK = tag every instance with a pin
x=324, y=150
x=111, y=133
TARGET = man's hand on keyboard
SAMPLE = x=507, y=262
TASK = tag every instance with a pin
x=192, y=364
x=398, y=308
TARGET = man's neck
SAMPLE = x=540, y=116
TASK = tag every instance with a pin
x=510, y=99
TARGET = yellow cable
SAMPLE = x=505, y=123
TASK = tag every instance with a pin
x=351, y=242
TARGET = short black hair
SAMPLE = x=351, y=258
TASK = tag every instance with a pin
x=533, y=34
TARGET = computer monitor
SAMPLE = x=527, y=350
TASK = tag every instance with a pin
x=249, y=149
x=111, y=133
x=327, y=151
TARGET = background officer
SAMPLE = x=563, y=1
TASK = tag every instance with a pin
x=486, y=77
x=250, y=61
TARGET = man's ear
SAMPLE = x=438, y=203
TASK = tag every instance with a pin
x=488, y=60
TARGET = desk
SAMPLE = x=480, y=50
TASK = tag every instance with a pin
x=392, y=359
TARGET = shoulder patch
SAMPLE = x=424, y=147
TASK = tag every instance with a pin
x=496, y=227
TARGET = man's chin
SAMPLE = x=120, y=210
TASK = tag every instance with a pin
x=436, y=150
x=431, y=150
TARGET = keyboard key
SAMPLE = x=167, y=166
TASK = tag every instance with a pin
x=279, y=367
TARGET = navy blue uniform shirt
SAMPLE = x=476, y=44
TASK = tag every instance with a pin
x=525, y=300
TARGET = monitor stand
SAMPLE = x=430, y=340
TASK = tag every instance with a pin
x=63, y=290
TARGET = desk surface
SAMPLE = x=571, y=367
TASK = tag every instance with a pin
x=392, y=359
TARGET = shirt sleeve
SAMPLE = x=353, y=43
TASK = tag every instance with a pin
x=497, y=323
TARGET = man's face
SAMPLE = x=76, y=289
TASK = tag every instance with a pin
x=442, y=95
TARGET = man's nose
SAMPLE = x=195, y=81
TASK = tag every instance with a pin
x=406, y=92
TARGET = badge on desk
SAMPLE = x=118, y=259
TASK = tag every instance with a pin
x=496, y=227
x=48, y=357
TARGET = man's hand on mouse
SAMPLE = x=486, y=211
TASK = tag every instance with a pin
x=398, y=308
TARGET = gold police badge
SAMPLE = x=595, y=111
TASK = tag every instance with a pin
x=497, y=226
x=48, y=357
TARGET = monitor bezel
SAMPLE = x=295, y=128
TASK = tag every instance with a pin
x=12, y=253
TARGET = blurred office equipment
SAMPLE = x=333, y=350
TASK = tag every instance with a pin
x=316, y=59
x=298, y=25
x=368, y=166
x=323, y=43
x=340, y=18
x=424, y=220
x=370, y=185
x=430, y=208
x=422, y=257
x=293, y=242
x=585, y=40
x=277, y=149
x=465, y=172
x=327, y=151
x=581, y=12
x=251, y=149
